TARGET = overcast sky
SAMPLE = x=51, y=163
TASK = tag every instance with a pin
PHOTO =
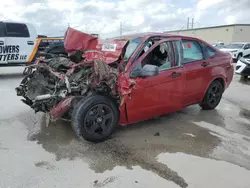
x=51, y=17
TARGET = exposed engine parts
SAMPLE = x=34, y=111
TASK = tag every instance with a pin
x=57, y=78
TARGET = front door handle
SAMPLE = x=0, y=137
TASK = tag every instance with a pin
x=1, y=42
x=30, y=42
x=175, y=74
x=204, y=64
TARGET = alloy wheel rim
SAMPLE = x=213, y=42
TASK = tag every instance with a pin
x=214, y=95
x=98, y=119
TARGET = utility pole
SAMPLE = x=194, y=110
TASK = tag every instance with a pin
x=120, y=28
x=188, y=23
x=192, y=23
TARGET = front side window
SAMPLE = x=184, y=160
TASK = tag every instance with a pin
x=160, y=56
x=133, y=44
x=17, y=30
x=192, y=51
x=247, y=46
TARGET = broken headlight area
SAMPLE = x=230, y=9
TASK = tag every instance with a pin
x=56, y=82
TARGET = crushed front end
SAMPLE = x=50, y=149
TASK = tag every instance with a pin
x=55, y=85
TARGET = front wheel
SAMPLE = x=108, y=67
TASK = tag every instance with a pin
x=213, y=96
x=95, y=118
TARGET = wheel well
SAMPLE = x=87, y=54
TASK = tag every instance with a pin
x=221, y=81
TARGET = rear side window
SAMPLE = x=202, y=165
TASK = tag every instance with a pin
x=17, y=30
x=192, y=51
x=210, y=51
x=44, y=44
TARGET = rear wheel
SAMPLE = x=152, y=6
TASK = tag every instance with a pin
x=213, y=96
x=95, y=118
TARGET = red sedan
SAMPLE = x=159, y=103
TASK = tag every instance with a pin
x=155, y=74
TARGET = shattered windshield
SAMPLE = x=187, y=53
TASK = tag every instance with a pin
x=133, y=44
x=235, y=46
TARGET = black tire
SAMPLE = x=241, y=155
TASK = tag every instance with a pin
x=245, y=77
x=213, y=96
x=95, y=118
x=239, y=56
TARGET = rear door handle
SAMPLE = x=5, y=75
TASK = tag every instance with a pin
x=30, y=42
x=175, y=74
x=1, y=42
x=204, y=64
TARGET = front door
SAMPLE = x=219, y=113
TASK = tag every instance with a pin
x=160, y=94
x=20, y=42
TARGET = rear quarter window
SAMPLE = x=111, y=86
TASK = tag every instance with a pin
x=209, y=51
x=17, y=30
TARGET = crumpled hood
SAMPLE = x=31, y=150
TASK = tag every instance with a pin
x=93, y=48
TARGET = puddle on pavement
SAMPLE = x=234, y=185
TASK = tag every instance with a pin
x=134, y=144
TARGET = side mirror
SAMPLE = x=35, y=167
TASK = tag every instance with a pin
x=146, y=71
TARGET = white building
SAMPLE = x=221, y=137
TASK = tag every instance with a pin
x=223, y=33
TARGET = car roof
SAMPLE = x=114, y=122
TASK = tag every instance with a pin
x=148, y=34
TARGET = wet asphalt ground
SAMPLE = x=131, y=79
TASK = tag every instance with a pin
x=191, y=148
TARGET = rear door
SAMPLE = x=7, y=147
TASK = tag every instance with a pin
x=198, y=70
x=2, y=44
x=20, y=42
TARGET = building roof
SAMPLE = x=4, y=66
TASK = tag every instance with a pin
x=135, y=35
x=200, y=28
